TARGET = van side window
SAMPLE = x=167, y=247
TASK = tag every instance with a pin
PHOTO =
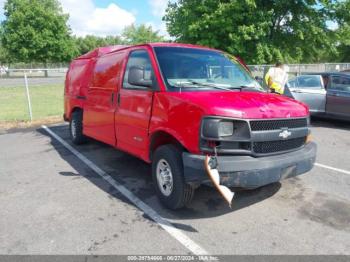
x=139, y=58
x=340, y=83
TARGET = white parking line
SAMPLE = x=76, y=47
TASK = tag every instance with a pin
x=333, y=168
x=165, y=224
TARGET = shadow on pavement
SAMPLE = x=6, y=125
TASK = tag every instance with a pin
x=208, y=203
x=330, y=123
x=135, y=175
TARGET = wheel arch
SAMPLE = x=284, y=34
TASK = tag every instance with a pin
x=160, y=138
x=74, y=109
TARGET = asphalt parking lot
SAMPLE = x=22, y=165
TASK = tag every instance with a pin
x=53, y=203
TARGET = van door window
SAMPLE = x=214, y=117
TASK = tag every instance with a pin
x=340, y=83
x=139, y=58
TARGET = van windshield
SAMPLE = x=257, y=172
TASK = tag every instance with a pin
x=199, y=69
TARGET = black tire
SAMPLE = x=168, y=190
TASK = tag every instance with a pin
x=76, y=128
x=181, y=193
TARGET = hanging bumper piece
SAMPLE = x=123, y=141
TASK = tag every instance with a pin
x=211, y=164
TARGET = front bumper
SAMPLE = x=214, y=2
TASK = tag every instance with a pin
x=251, y=172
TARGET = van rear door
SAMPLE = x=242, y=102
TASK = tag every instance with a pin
x=100, y=106
x=134, y=107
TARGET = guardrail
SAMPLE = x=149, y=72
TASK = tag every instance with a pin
x=38, y=72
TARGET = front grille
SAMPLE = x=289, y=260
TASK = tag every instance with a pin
x=265, y=125
x=278, y=146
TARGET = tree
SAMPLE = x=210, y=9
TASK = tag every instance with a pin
x=2, y=55
x=90, y=42
x=2, y=50
x=344, y=44
x=260, y=31
x=133, y=35
x=36, y=31
x=342, y=18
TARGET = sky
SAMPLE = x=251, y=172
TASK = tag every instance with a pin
x=109, y=17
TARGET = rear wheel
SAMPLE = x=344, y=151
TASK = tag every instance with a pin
x=76, y=128
x=167, y=173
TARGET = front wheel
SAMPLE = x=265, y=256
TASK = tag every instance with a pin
x=167, y=173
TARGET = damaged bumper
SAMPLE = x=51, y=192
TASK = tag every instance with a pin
x=251, y=172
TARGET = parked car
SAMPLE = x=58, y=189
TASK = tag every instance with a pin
x=326, y=94
x=172, y=105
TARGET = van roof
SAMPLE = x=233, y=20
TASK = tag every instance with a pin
x=101, y=51
x=110, y=49
x=178, y=45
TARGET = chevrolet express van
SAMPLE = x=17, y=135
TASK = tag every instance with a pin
x=172, y=105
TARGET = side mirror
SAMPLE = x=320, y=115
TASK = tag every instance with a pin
x=137, y=77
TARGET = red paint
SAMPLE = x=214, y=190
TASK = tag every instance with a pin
x=93, y=79
x=100, y=106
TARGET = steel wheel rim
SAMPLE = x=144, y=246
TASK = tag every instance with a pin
x=164, y=177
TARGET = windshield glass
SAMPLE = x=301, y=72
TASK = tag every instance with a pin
x=197, y=69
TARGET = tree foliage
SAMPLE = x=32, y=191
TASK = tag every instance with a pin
x=90, y=42
x=133, y=35
x=260, y=31
x=3, y=57
x=342, y=18
x=36, y=31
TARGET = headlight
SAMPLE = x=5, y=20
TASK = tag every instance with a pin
x=225, y=128
x=216, y=128
x=224, y=134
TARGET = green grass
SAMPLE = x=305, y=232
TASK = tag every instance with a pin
x=46, y=101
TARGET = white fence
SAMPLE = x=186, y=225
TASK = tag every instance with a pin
x=38, y=72
x=297, y=69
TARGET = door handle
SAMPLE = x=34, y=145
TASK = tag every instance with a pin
x=118, y=99
x=112, y=98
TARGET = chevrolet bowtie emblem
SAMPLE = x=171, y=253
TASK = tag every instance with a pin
x=285, y=134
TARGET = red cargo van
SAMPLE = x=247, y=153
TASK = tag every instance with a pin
x=173, y=104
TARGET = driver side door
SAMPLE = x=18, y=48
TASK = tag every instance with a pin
x=134, y=109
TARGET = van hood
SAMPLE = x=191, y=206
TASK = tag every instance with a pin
x=246, y=105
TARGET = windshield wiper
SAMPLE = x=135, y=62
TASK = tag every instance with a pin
x=252, y=88
x=243, y=87
x=201, y=84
